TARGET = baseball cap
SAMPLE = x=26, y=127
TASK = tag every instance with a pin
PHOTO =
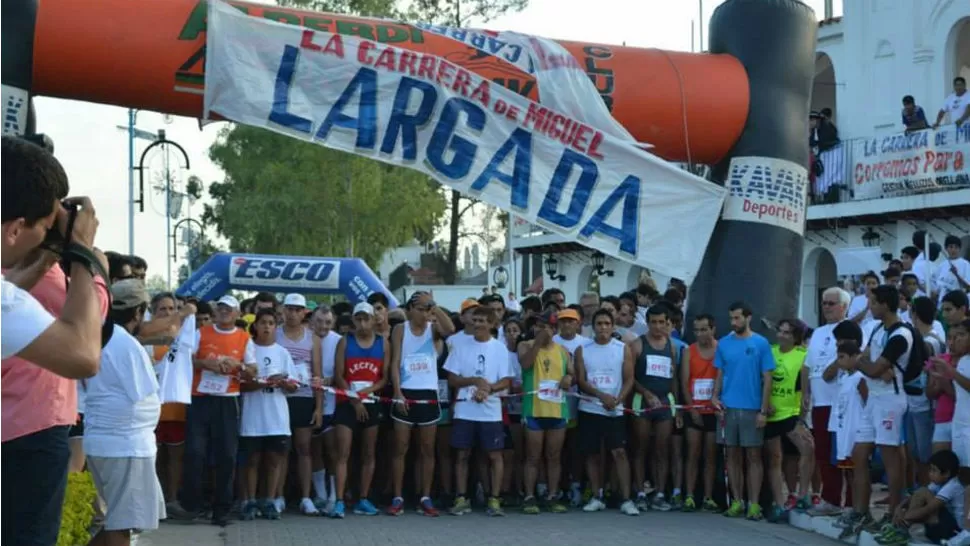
x=128, y=294
x=228, y=301
x=294, y=300
x=364, y=307
x=568, y=314
x=470, y=303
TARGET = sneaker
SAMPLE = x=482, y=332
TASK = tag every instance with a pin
x=736, y=510
x=754, y=512
x=175, y=510
x=791, y=502
x=530, y=506
x=495, y=508
x=337, y=512
x=710, y=506
x=778, y=514
x=270, y=511
x=461, y=506
x=249, y=511
x=307, y=508
x=321, y=506
x=648, y=488
x=556, y=505
x=823, y=509
x=689, y=504
x=960, y=539
x=331, y=506
x=365, y=507
x=426, y=507
x=893, y=536
x=803, y=504
x=677, y=502
x=220, y=520
x=576, y=497
x=642, y=503
x=396, y=508
x=629, y=508
x=878, y=526
x=847, y=520
x=280, y=504
x=594, y=505
x=659, y=503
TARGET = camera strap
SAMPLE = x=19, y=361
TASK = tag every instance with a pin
x=72, y=253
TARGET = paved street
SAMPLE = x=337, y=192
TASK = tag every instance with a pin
x=575, y=528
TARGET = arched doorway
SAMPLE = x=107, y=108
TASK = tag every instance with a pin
x=823, y=86
x=958, y=52
x=589, y=281
x=818, y=273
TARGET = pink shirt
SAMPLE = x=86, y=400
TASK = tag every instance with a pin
x=945, y=404
x=34, y=399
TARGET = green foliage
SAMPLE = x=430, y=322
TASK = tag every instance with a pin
x=282, y=196
x=78, y=511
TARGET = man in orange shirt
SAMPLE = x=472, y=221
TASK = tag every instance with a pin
x=697, y=384
x=225, y=353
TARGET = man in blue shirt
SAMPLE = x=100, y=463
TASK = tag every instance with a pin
x=742, y=393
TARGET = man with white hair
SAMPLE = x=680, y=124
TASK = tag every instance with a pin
x=822, y=394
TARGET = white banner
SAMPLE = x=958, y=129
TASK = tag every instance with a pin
x=407, y=108
x=904, y=164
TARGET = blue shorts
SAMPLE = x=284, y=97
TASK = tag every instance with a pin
x=487, y=435
x=539, y=424
x=918, y=434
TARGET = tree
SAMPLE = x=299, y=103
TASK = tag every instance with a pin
x=156, y=284
x=291, y=197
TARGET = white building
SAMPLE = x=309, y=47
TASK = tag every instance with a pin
x=869, y=58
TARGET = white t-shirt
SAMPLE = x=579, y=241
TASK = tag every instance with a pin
x=847, y=414
x=328, y=348
x=457, y=339
x=489, y=360
x=821, y=353
x=945, y=280
x=951, y=493
x=955, y=106
x=122, y=406
x=265, y=411
x=175, y=369
x=857, y=305
x=604, y=370
x=513, y=404
x=23, y=319
x=961, y=411
x=878, y=342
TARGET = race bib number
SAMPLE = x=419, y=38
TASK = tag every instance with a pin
x=444, y=391
x=213, y=383
x=418, y=365
x=303, y=373
x=358, y=386
x=549, y=391
x=659, y=366
x=703, y=389
x=603, y=381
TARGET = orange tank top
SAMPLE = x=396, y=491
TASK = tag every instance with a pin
x=702, y=376
x=215, y=344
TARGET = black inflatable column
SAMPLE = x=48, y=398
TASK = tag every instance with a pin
x=16, y=65
x=755, y=254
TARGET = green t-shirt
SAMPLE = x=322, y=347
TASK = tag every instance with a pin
x=786, y=385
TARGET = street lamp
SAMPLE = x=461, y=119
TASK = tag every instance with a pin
x=163, y=142
x=552, y=269
x=599, y=261
x=870, y=239
x=174, y=242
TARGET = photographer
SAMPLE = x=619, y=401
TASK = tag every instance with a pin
x=39, y=397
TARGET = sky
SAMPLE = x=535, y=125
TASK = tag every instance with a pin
x=94, y=150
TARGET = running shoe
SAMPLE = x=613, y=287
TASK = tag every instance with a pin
x=338, y=510
x=754, y=512
x=893, y=536
x=494, y=508
x=878, y=526
x=270, y=511
x=643, y=504
x=710, y=506
x=396, y=508
x=321, y=506
x=791, y=502
x=689, y=504
x=736, y=510
x=461, y=506
x=365, y=507
x=249, y=511
x=777, y=514
x=280, y=504
x=556, y=506
x=659, y=503
x=530, y=505
x=594, y=505
x=822, y=509
x=677, y=501
x=426, y=507
x=307, y=508
x=629, y=508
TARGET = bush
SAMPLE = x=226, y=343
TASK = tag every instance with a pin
x=78, y=511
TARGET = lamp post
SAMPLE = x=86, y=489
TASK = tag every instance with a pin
x=870, y=239
x=165, y=143
x=133, y=133
x=552, y=269
x=174, y=241
x=599, y=262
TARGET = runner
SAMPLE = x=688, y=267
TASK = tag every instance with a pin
x=513, y=409
x=360, y=367
x=324, y=441
x=305, y=406
x=264, y=426
x=569, y=322
x=697, y=380
x=656, y=373
x=414, y=376
x=604, y=368
x=742, y=392
x=546, y=371
x=479, y=370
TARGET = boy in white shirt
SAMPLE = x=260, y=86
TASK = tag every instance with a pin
x=478, y=369
x=939, y=507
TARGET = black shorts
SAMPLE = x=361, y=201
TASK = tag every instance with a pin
x=326, y=427
x=345, y=415
x=708, y=422
x=596, y=430
x=77, y=429
x=421, y=415
x=780, y=428
x=301, y=411
x=788, y=448
x=259, y=444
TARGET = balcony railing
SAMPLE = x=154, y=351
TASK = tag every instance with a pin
x=895, y=165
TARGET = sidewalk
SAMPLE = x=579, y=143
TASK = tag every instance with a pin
x=178, y=534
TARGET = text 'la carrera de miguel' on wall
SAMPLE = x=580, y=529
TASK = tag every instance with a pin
x=424, y=112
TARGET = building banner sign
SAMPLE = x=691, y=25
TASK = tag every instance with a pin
x=421, y=111
x=904, y=164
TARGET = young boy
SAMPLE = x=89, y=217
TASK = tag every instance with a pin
x=938, y=507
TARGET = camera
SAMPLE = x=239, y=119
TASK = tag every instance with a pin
x=55, y=239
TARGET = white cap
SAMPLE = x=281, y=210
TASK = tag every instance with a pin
x=295, y=300
x=228, y=300
x=364, y=307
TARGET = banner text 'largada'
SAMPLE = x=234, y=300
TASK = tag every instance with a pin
x=423, y=112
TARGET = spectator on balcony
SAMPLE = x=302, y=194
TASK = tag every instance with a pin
x=914, y=118
x=956, y=107
x=824, y=134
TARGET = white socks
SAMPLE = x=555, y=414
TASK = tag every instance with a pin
x=320, y=484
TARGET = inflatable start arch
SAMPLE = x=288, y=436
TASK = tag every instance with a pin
x=742, y=108
x=258, y=272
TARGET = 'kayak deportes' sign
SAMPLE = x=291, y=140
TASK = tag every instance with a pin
x=421, y=111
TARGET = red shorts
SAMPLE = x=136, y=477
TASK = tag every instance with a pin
x=171, y=433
